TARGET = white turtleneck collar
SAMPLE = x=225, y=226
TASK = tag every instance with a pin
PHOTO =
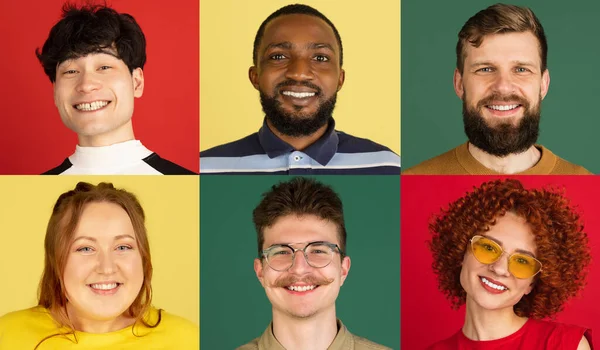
x=121, y=158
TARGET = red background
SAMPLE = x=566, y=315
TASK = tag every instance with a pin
x=166, y=118
x=426, y=314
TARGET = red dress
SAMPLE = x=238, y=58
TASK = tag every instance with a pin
x=534, y=334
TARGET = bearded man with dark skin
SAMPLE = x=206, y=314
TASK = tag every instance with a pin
x=297, y=70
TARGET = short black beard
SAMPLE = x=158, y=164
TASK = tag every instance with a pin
x=296, y=125
x=503, y=139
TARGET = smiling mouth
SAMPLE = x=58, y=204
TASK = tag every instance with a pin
x=301, y=289
x=105, y=288
x=298, y=94
x=503, y=107
x=91, y=106
x=498, y=287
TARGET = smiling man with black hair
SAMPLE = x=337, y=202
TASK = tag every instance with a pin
x=94, y=57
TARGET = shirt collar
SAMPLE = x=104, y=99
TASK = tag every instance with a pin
x=342, y=340
x=113, y=156
x=322, y=150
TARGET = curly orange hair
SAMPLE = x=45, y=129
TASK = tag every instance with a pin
x=562, y=246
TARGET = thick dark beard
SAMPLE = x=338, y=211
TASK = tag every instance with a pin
x=503, y=139
x=296, y=125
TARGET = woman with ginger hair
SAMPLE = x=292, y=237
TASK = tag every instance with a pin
x=95, y=291
x=514, y=256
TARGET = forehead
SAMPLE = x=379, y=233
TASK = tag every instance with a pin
x=505, y=47
x=300, y=229
x=299, y=30
x=103, y=219
x=514, y=232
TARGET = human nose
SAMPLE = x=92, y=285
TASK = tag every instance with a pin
x=299, y=264
x=299, y=69
x=500, y=267
x=504, y=83
x=87, y=82
x=105, y=263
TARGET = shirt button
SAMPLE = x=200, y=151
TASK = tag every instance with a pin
x=297, y=158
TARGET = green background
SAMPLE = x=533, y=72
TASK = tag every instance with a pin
x=234, y=307
x=431, y=111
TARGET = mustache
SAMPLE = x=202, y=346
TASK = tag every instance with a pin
x=310, y=279
x=496, y=97
x=305, y=83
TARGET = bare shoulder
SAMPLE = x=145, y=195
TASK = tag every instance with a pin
x=584, y=344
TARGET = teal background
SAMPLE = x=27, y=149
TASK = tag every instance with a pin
x=233, y=306
x=431, y=111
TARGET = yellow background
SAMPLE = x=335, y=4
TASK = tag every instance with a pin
x=368, y=105
x=171, y=205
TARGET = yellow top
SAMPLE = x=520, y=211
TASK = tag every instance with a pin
x=24, y=329
x=459, y=161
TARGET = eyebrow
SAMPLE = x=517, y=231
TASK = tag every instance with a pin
x=95, y=240
x=105, y=51
x=522, y=251
x=286, y=45
x=296, y=243
x=516, y=62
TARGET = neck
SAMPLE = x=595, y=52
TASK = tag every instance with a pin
x=299, y=142
x=484, y=324
x=314, y=332
x=85, y=324
x=121, y=134
x=511, y=164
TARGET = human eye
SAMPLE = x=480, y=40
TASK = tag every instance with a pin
x=488, y=247
x=281, y=252
x=70, y=72
x=124, y=247
x=522, y=70
x=84, y=249
x=277, y=57
x=485, y=70
x=319, y=249
x=104, y=67
x=522, y=260
x=321, y=58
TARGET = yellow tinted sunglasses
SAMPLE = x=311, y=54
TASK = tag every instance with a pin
x=520, y=265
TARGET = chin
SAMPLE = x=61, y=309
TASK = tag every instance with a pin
x=302, y=313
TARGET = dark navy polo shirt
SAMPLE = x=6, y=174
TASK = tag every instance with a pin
x=334, y=153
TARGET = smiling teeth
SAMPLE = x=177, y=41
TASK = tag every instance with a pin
x=91, y=106
x=301, y=288
x=495, y=286
x=503, y=108
x=299, y=94
x=103, y=286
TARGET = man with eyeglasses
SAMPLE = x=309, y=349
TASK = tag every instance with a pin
x=301, y=265
x=514, y=257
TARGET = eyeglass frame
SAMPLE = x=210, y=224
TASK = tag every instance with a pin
x=500, y=257
x=332, y=246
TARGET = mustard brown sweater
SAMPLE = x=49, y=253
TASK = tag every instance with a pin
x=459, y=161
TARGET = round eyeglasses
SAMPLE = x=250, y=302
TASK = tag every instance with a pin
x=520, y=265
x=280, y=257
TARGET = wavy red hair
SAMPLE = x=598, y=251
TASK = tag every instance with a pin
x=562, y=245
x=65, y=216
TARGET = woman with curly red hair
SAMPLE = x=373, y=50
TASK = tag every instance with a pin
x=514, y=256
